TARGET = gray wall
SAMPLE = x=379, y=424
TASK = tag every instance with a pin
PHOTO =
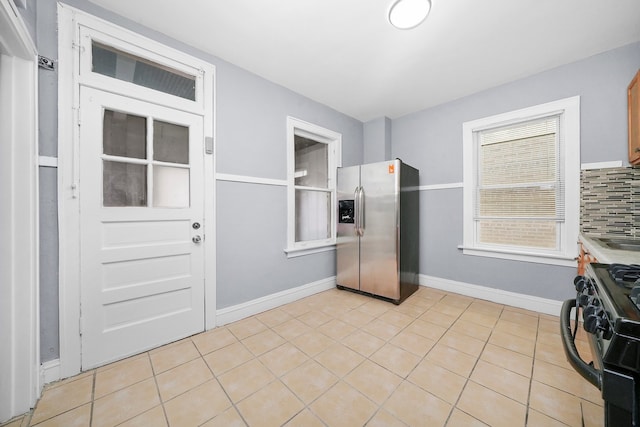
x=251, y=140
x=432, y=140
x=377, y=140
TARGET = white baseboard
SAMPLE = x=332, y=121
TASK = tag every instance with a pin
x=528, y=302
x=249, y=308
x=50, y=372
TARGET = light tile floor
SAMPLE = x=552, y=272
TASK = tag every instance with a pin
x=342, y=359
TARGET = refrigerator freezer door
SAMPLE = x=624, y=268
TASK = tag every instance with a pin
x=379, y=268
x=348, y=241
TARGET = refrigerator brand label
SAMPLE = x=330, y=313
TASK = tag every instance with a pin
x=392, y=168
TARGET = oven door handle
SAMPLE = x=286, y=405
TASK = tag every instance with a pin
x=589, y=373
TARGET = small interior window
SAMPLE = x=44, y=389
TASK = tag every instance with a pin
x=124, y=66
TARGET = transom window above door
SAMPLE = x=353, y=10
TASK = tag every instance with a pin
x=145, y=162
x=112, y=62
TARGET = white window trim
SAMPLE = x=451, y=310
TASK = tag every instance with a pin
x=569, y=108
x=334, y=139
x=75, y=29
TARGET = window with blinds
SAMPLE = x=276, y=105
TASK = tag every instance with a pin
x=519, y=197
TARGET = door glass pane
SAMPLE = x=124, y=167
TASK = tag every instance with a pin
x=170, y=143
x=124, y=135
x=120, y=65
x=312, y=215
x=170, y=187
x=124, y=184
x=312, y=158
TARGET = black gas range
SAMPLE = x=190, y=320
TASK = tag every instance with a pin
x=608, y=296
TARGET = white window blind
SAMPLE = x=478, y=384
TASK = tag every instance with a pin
x=519, y=197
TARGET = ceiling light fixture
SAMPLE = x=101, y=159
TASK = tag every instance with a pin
x=407, y=14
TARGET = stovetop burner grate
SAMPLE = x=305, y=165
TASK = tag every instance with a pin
x=625, y=275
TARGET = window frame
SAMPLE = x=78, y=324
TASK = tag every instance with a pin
x=568, y=110
x=334, y=141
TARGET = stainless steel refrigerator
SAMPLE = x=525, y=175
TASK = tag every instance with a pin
x=378, y=229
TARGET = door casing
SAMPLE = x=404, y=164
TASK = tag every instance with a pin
x=75, y=30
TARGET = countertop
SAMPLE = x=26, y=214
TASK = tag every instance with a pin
x=607, y=255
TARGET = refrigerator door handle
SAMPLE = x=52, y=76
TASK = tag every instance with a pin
x=361, y=211
x=356, y=213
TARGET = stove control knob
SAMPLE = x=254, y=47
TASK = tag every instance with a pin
x=584, y=300
x=591, y=323
x=580, y=283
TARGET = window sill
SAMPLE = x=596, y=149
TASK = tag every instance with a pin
x=518, y=255
x=309, y=250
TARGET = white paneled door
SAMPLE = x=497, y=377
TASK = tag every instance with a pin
x=141, y=216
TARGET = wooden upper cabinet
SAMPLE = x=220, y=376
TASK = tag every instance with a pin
x=633, y=94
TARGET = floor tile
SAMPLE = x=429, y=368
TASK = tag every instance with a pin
x=314, y=318
x=245, y=379
x=57, y=400
x=124, y=375
x=270, y=406
x=413, y=343
x=273, y=317
x=374, y=307
x=395, y=318
x=416, y=407
x=438, y=381
x=309, y=381
x=262, y=342
x=501, y=380
x=283, y=359
x=441, y=319
x=291, y=329
x=593, y=415
x=336, y=329
x=462, y=342
x=461, y=419
x=556, y=404
x=198, y=405
x=245, y=328
x=566, y=380
x=528, y=332
x=344, y=406
x=214, y=339
x=227, y=358
x=383, y=418
x=508, y=359
x=357, y=318
x=490, y=407
x=452, y=359
x=305, y=419
x=124, y=404
x=229, y=418
x=381, y=329
x=470, y=329
x=395, y=359
x=153, y=417
x=313, y=343
x=173, y=356
x=373, y=381
x=363, y=342
x=78, y=417
x=426, y=329
x=182, y=378
x=483, y=319
x=512, y=342
x=339, y=359
x=538, y=419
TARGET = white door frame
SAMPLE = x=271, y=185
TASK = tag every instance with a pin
x=19, y=308
x=74, y=29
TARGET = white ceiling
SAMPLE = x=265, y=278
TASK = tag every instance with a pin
x=345, y=54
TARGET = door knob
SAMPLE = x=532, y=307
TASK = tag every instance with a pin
x=196, y=225
x=197, y=239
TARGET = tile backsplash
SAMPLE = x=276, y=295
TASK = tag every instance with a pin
x=610, y=202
